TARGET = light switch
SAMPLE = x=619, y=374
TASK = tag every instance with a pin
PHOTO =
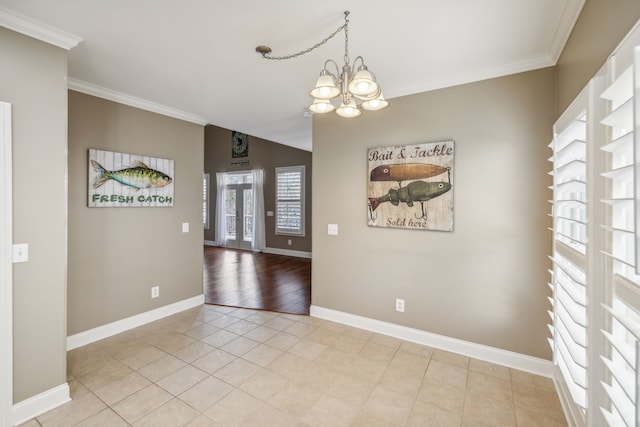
x=269, y=213
x=332, y=230
x=185, y=227
x=21, y=252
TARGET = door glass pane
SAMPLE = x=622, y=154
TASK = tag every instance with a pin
x=239, y=178
x=248, y=215
x=230, y=209
x=234, y=179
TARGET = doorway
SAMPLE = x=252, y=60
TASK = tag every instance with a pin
x=257, y=280
x=238, y=209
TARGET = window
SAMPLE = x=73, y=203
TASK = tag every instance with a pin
x=595, y=330
x=205, y=201
x=622, y=305
x=290, y=200
x=568, y=281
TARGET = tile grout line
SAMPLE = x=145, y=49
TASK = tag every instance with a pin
x=170, y=332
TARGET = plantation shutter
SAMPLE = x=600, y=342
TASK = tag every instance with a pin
x=568, y=274
x=577, y=262
x=595, y=308
x=205, y=201
x=290, y=200
x=622, y=307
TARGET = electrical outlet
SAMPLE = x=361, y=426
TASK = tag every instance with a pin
x=155, y=291
x=289, y=242
x=21, y=252
x=400, y=305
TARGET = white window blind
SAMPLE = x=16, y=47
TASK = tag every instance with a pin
x=569, y=147
x=622, y=307
x=568, y=275
x=595, y=308
x=622, y=363
x=205, y=201
x=290, y=200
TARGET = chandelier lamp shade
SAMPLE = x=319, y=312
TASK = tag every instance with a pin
x=346, y=90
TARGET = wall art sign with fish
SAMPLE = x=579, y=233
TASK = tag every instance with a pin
x=129, y=180
x=411, y=186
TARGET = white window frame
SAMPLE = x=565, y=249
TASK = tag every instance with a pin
x=288, y=231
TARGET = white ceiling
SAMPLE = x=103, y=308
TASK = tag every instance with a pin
x=196, y=59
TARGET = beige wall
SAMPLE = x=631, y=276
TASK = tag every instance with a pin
x=265, y=155
x=485, y=282
x=600, y=28
x=117, y=254
x=33, y=76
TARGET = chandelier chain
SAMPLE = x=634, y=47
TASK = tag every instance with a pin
x=350, y=87
x=346, y=39
x=344, y=27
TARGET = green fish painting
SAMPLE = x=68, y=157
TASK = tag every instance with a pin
x=139, y=176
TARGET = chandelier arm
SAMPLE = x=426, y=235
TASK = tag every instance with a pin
x=265, y=51
x=331, y=61
x=353, y=67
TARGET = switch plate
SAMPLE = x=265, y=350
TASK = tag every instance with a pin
x=400, y=305
x=289, y=242
x=21, y=252
x=269, y=213
x=155, y=291
x=185, y=227
x=332, y=229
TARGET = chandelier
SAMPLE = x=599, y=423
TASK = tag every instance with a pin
x=348, y=86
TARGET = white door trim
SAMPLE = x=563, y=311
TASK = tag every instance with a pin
x=6, y=268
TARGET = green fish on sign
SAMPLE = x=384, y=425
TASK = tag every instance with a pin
x=139, y=177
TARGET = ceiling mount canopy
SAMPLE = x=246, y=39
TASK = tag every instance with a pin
x=347, y=86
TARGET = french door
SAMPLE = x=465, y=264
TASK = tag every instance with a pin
x=239, y=215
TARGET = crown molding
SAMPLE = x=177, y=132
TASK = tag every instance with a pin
x=29, y=27
x=472, y=76
x=132, y=101
x=568, y=20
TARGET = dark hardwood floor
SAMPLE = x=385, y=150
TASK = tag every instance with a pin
x=257, y=280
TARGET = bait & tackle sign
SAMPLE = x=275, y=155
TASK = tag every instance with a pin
x=411, y=186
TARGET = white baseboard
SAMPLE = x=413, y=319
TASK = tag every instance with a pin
x=40, y=403
x=498, y=356
x=275, y=251
x=287, y=252
x=105, y=331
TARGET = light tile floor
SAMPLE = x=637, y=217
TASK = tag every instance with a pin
x=221, y=366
